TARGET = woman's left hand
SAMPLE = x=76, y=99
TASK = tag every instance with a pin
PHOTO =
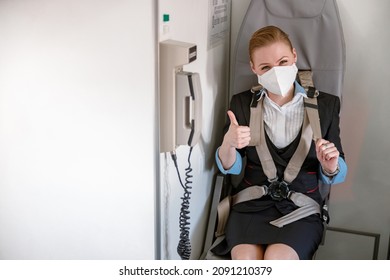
x=328, y=155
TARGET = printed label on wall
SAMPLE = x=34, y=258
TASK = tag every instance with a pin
x=219, y=20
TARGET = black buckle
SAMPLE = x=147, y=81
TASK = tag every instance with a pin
x=278, y=190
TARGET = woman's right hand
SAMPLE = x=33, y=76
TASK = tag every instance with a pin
x=237, y=136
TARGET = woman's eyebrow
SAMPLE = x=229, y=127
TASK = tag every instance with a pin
x=267, y=63
x=283, y=57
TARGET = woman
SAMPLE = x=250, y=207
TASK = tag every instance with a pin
x=249, y=234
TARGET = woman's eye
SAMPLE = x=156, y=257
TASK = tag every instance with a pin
x=283, y=62
x=265, y=68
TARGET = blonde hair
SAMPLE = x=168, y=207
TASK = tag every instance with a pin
x=266, y=36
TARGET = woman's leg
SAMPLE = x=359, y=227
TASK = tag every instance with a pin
x=280, y=251
x=247, y=252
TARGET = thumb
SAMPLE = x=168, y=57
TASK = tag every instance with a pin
x=232, y=117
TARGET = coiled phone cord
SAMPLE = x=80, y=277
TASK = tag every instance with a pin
x=184, y=246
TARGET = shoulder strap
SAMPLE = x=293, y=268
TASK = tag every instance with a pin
x=311, y=107
x=306, y=80
x=255, y=115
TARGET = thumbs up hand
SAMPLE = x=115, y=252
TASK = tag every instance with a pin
x=237, y=136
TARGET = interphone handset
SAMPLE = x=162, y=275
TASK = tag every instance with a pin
x=188, y=108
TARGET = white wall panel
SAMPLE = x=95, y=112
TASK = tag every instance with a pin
x=77, y=129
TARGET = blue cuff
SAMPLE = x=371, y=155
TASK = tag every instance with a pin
x=236, y=167
x=339, y=177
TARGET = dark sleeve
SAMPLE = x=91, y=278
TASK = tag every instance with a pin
x=331, y=131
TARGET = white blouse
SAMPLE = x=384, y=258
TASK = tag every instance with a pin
x=283, y=123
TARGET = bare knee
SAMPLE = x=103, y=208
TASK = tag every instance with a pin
x=280, y=252
x=247, y=252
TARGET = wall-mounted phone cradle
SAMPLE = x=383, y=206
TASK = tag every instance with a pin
x=180, y=96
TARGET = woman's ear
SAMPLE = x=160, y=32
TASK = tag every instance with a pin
x=252, y=67
x=295, y=55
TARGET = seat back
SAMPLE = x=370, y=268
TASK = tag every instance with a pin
x=315, y=30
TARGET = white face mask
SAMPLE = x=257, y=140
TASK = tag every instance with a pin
x=279, y=79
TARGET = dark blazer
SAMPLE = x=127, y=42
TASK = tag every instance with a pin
x=307, y=179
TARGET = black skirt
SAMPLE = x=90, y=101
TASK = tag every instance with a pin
x=244, y=227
